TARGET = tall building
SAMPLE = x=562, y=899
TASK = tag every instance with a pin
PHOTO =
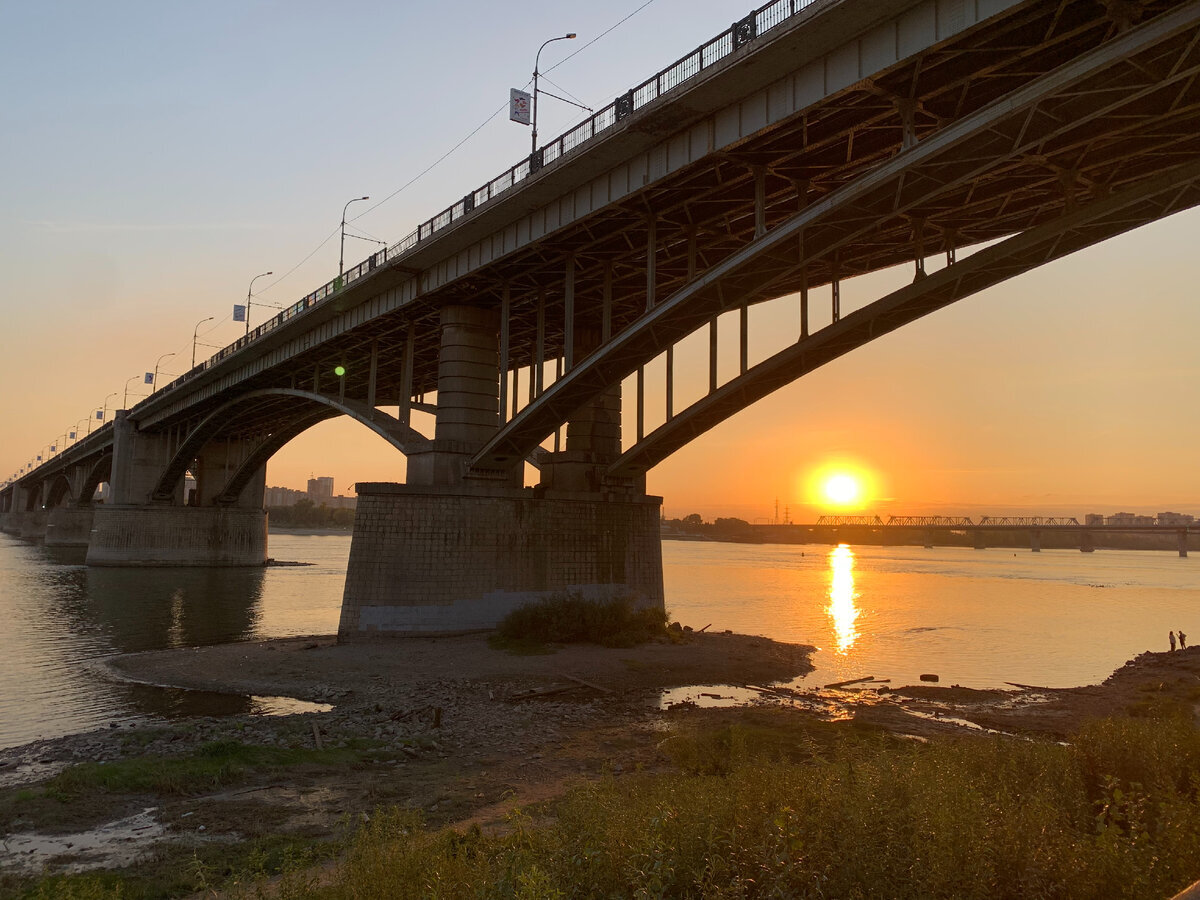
x=320, y=489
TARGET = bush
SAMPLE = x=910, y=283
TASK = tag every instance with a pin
x=570, y=619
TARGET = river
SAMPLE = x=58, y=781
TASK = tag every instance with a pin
x=979, y=618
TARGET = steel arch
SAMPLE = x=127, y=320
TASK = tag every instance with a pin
x=1158, y=197
x=400, y=435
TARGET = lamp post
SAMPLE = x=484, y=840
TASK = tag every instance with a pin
x=195, y=332
x=125, y=399
x=104, y=412
x=250, y=289
x=566, y=37
x=78, y=426
x=342, y=252
x=154, y=384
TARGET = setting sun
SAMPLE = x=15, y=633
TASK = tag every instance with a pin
x=842, y=489
x=841, y=485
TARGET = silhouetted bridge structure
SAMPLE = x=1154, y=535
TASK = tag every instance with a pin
x=809, y=143
x=931, y=529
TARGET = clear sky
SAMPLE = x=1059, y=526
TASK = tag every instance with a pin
x=157, y=156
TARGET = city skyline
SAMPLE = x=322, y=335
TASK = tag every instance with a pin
x=1065, y=390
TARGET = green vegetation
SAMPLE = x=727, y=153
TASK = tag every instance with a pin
x=570, y=619
x=807, y=811
x=306, y=514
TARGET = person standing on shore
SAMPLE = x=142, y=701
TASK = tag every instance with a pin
x=1182, y=641
x=1171, y=635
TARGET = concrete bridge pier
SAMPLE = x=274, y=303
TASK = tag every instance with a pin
x=10, y=522
x=1087, y=542
x=1035, y=541
x=1182, y=542
x=131, y=530
x=980, y=540
x=69, y=526
x=455, y=551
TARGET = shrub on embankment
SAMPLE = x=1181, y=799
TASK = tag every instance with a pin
x=829, y=814
x=570, y=619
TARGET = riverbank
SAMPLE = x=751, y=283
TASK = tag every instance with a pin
x=454, y=729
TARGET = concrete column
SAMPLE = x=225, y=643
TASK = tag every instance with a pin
x=593, y=435
x=1087, y=542
x=468, y=396
x=216, y=464
x=139, y=460
x=980, y=540
x=1183, y=542
x=1035, y=541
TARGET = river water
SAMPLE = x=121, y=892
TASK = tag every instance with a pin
x=979, y=618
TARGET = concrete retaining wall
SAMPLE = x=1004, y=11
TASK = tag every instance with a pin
x=177, y=536
x=427, y=560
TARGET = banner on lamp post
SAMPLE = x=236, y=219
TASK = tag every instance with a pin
x=519, y=106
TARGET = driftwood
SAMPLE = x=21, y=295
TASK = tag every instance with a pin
x=842, y=684
x=705, y=628
x=594, y=687
x=1036, y=687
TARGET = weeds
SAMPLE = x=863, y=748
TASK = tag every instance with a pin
x=820, y=812
x=570, y=619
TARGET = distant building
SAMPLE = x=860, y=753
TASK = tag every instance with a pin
x=281, y=496
x=320, y=490
x=1174, y=518
x=1093, y=519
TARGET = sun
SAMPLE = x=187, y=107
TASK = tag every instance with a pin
x=842, y=489
x=841, y=485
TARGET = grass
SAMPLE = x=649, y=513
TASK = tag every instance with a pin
x=570, y=619
x=780, y=810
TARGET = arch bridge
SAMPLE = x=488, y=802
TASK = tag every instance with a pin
x=809, y=143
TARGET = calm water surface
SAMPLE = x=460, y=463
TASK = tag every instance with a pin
x=977, y=618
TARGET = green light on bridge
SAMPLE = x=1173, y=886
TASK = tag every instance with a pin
x=339, y=371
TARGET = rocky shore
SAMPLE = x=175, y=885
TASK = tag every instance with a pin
x=465, y=733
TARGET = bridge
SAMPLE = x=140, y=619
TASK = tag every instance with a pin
x=812, y=141
x=909, y=529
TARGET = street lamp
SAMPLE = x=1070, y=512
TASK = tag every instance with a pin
x=264, y=274
x=79, y=428
x=104, y=412
x=125, y=399
x=154, y=384
x=342, y=253
x=195, y=332
x=566, y=37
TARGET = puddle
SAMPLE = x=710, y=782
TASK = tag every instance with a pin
x=707, y=695
x=119, y=843
x=285, y=706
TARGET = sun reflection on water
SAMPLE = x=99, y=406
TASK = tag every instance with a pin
x=842, y=595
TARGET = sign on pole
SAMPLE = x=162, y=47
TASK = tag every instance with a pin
x=519, y=106
x=239, y=312
x=149, y=378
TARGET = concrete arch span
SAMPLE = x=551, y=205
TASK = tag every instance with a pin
x=292, y=420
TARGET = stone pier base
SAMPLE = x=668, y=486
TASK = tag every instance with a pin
x=10, y=523
x=177, y=536
x=69, y=526
x=33, y=525
x=444, y=560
